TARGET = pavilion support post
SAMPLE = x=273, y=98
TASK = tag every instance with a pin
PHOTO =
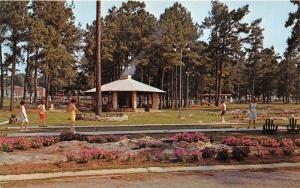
x=155, y=101
x=133, y=99
x=115, y=100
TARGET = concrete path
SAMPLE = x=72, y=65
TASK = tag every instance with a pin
x=36, y=176
x=279, y=178
x=125, y=132
x=127, y=125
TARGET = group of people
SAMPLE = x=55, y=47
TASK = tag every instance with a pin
x=24, y=121
x=252, y=112
x=72, y=109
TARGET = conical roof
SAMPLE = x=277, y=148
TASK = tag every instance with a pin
x=127, y=84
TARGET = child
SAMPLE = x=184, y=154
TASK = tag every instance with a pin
x=42, y=114
x=23, y=117
x=223, y=111
x=72, y=109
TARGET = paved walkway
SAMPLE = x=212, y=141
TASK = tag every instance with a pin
x=280, y=178
x=102, y=172
x=125, y=132
x=135, y=125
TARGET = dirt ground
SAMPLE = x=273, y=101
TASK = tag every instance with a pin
x=221, y=179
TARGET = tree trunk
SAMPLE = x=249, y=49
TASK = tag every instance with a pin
x=2, y=78
x=172, y=88
x=142, y=74
x=26, y=78
x=176, y=88
x=162, y=87
x=219, y=91
x=253, y=80
x=98, y=60
x=47, y=84
x=35, y=76
x=13, y=75
x=216, y=84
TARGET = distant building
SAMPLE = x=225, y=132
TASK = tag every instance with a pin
x=20, y=90
x=127, y=94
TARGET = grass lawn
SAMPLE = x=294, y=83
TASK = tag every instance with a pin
x=199, y=114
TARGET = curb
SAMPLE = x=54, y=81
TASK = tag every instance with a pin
x=156, y=131
x=39, y=176
x=128, y=125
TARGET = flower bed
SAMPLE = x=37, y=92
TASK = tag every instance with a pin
x=180, y=148
x=24, y=143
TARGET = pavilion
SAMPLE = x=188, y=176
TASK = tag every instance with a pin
x=127, y=94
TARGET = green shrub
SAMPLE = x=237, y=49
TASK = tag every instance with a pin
x=239, y=153
x=223, y=154
x=208, y=153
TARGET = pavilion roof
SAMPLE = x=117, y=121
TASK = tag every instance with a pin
x=127, y=84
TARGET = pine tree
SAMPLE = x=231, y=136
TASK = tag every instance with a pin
x=15, y=18
x=225, y=40
x=255, y=40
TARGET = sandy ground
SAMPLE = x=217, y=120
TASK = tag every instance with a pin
x=228, y=179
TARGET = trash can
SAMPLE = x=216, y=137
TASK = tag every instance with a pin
x=147, y=108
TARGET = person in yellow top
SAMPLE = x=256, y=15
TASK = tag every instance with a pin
x=72, y=109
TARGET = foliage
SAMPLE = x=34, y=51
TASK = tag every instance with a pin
x=190, y=137
x=239, y=153
x=208, y=153
x=223, y=154
x=24, y=143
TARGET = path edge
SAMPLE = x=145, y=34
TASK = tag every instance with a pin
x=102, y=172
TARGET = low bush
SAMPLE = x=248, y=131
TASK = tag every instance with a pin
x=37, y=142
x=49, y=140
x=268, y=142
x=187, y=156
x=190, y=137
x=239, y=153
x=297, y=142
x=223, y=154
x=67, y=136
x=22, y=143
x=80, y=137
x=288, y=146
x=232, y=141
x=208, y=153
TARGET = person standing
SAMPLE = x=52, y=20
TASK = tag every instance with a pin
x=23, y=117
x=223, y=111
x=252, y=113
x=42, y=114
x=72, y=110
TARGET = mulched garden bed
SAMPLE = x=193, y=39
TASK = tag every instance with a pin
x=71, y=152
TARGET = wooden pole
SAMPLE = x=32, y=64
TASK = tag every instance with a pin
x=98, y=61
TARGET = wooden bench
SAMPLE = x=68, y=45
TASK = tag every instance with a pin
x=269, y=127
x=292, y=127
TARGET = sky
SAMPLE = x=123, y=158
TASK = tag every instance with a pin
x=274, y=14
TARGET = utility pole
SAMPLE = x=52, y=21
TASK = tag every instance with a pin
x=98, y=60
x=180, y=90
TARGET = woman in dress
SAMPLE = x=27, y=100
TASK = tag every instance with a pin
x=252, y=112
x=72, y=110
x=23, y=117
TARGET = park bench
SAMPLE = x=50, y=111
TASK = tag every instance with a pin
x=269, y=127
x=292, y=127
